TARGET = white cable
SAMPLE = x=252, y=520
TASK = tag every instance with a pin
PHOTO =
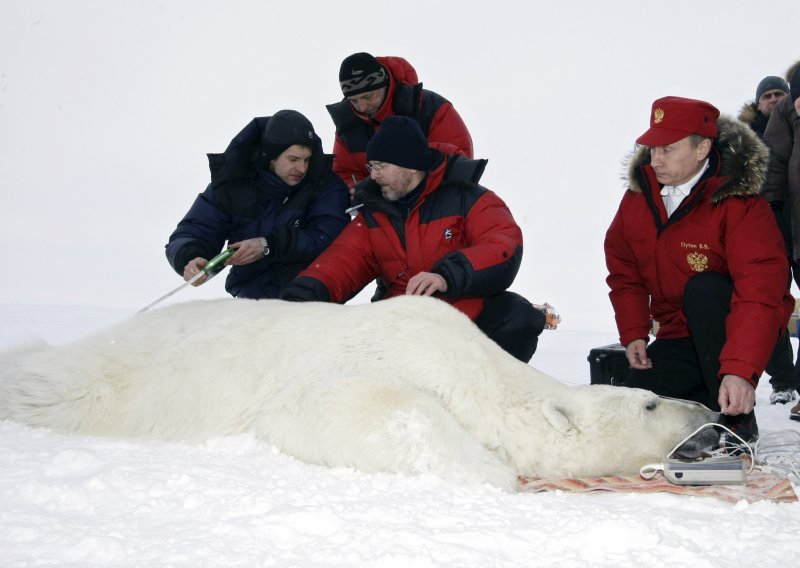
x=649, y=471
x=779, y=451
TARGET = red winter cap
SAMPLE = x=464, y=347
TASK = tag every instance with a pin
x=675, y=118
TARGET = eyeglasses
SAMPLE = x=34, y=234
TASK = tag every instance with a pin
x=376, y=167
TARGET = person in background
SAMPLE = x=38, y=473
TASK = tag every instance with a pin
x=428, y=228
x=782, y=186
x=273, y=197
x=695, y=246
x=376, y=88
x=755, y=114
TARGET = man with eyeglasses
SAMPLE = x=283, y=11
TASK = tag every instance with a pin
x=375, y=89
x=428, y=228
x=755, y=114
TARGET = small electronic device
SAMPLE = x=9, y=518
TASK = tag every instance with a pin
x=714, y=471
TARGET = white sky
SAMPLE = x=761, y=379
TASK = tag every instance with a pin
x=107, y=110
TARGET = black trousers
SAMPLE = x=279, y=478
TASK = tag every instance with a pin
x=781, y=367
x=513, y=323
x=688, y=367
x=782, y=377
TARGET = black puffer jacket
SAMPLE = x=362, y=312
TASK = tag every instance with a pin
x=782, y=186
x=246, y=200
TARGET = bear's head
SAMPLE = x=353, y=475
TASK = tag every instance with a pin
x=605, y=430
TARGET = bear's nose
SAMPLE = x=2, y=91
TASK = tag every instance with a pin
x=699, y=445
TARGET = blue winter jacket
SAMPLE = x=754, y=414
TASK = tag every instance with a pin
x=246, y=200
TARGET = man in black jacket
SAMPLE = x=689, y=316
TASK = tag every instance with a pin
x=273, y=197
x=782, y=186
x=755, y=114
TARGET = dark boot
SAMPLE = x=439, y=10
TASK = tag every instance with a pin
x=743, y=425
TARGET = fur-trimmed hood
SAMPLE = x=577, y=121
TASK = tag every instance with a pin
x=749, y=112
x=737, y=155
x=791, y=71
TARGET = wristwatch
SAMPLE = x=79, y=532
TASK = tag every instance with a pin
x=264, y=246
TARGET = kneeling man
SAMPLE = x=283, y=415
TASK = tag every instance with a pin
x=428, y=228
x=696, y=247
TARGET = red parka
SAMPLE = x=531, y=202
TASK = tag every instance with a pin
x=724, y=226
x=439, y=120
x=458, y=229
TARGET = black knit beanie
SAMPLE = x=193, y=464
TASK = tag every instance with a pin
x=794, y=91
x=770, y=83
x=361, y=73
x=400, y=141
x=286, y=128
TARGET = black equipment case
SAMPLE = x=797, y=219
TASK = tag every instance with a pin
x=608, y=365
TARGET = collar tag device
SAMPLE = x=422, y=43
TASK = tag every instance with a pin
x=711, y=471
x=724, y=469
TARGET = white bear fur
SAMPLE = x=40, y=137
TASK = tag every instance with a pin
x=407, y=385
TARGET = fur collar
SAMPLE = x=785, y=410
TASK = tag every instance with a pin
x=792, y=70
x=742, y=159
x=749, y=112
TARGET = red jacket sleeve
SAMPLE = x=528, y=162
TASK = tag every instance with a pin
x=447, y=126
x=490, y=262
x=347, y=265
x=629, y=296
x=761, y=304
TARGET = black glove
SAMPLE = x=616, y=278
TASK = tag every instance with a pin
x=360, y=188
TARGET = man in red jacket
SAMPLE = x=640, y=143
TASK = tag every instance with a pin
x=694, y=246
x=375, y=89
x=428, y=228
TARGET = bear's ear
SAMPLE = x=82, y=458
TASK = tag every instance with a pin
x=559, y=418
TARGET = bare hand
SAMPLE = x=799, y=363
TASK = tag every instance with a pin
x=193, y=268
x=426, y=284
x=636, y=352
x=736, y=395
x=247, y=252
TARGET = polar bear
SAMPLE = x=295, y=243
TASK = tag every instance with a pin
x=406, y=385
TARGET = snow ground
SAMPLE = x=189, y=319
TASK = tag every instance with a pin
x=73, y=501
